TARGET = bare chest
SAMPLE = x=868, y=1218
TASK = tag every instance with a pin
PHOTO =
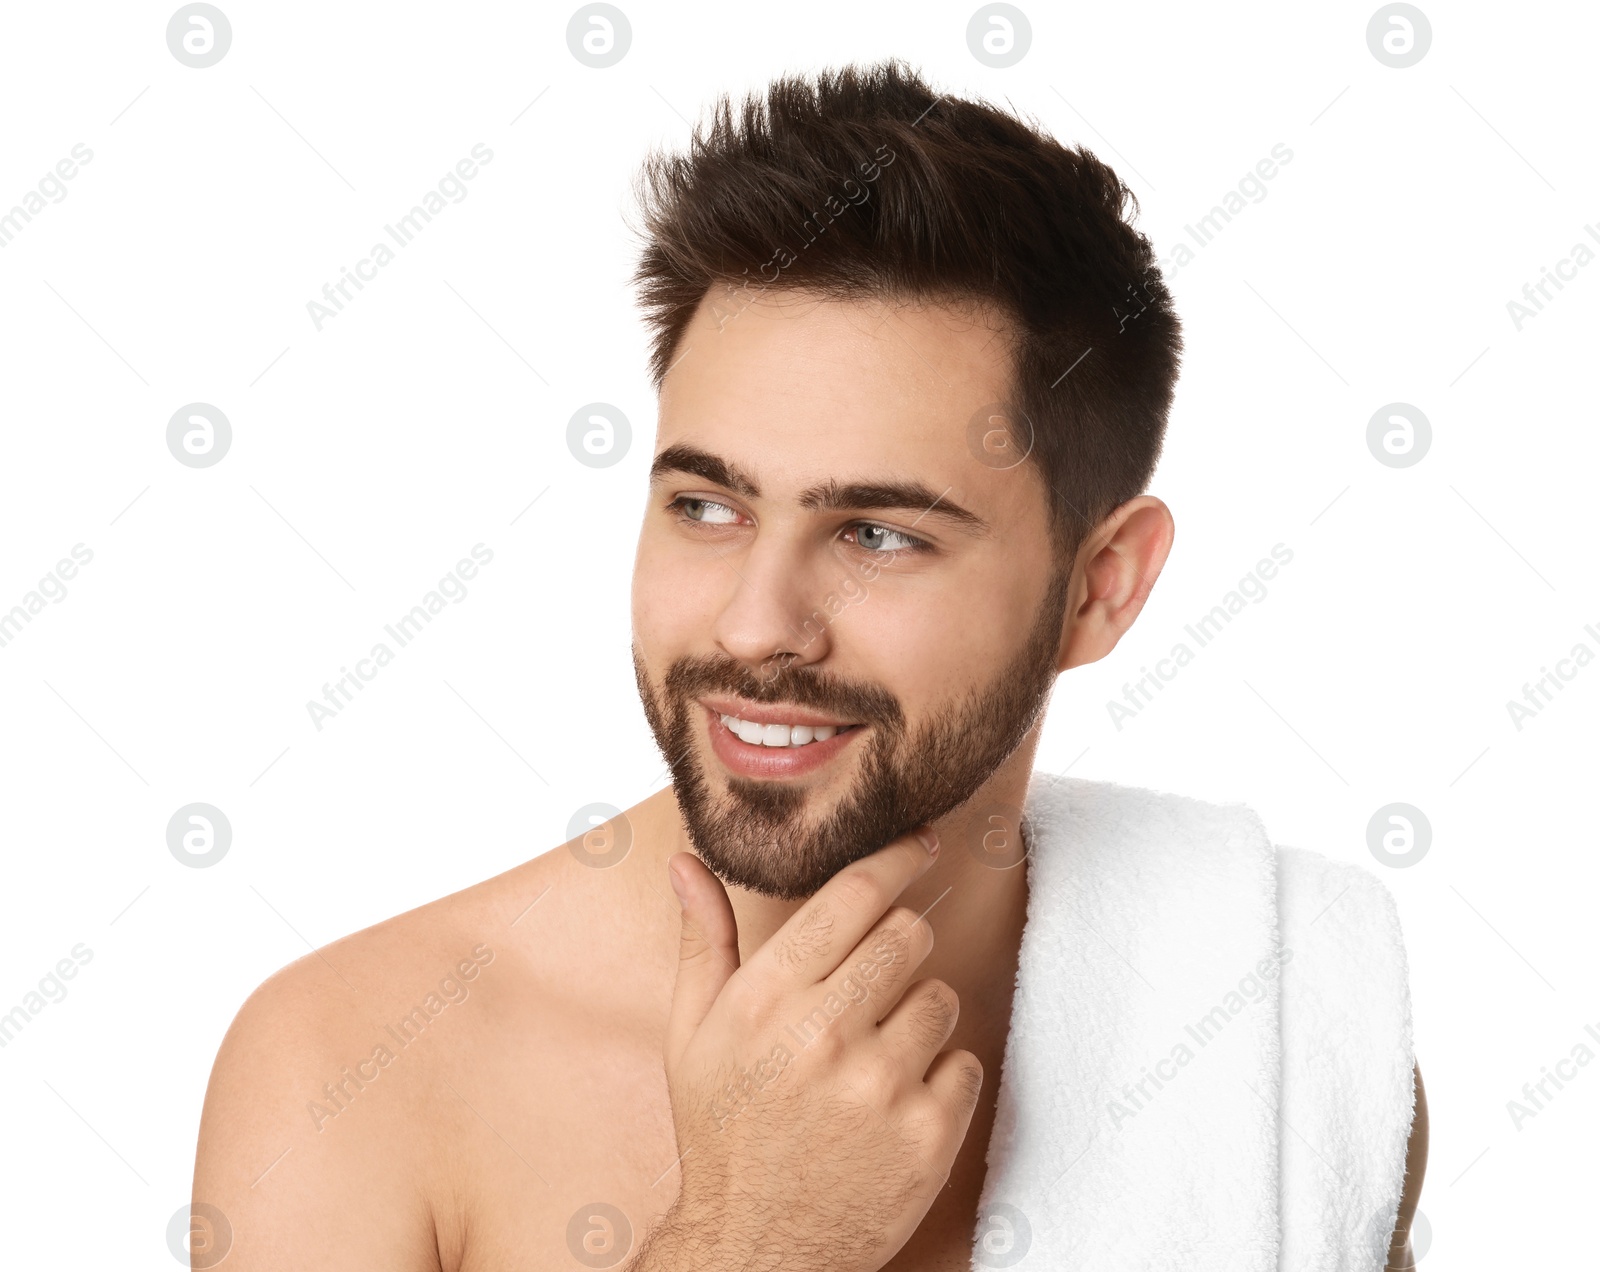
x=566, y=1157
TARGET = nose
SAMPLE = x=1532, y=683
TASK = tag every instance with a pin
x=775, y=616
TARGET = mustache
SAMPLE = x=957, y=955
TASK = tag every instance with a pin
x=695, y=676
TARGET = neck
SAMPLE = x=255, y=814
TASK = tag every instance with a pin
x=974, y=897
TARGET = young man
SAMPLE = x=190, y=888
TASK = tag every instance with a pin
x=914, y=368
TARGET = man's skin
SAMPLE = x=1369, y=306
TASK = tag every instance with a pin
x=582, y=1024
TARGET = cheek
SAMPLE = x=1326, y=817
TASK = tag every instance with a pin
x=651, y=593
x=918, y=655
x=931, y=649
x=672, y=604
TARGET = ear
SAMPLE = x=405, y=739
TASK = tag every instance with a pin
x=1117, y=567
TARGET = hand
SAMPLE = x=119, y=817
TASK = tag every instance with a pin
x=815, y=1115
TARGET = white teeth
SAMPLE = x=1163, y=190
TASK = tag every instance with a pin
x=778, y=734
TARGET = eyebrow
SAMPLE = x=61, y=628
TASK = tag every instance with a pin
x=827, y=496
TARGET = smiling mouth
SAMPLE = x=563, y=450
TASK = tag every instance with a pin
x=780, y=736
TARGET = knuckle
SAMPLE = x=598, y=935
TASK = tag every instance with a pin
x=939, y=992
x=808, y=941
x=933, y=1013
x=892, y=941
x=858, y=980
x=902, y=918
x=933, y=984
x=745, y=1001
x=876, y=1079
x=829, y=1045
x=859, y=889
x=968, y=1077
x=926, y=1122
x=818, y=1032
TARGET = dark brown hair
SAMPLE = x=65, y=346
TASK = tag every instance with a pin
x=962, y=202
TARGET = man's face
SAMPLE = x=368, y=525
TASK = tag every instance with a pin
x=804, y=556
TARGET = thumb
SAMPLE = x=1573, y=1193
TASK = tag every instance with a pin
x=708, y=950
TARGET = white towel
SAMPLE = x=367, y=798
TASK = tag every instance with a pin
x=1209, y=1062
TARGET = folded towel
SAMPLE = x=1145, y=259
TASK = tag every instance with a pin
x=1209, y=1062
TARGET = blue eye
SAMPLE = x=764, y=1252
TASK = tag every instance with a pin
x=682, y=503
x=685, y=505
x=911, y=542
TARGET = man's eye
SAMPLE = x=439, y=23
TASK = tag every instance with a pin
x=872, y=538
x=691, y=509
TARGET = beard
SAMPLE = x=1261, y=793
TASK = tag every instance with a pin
x=759, y=837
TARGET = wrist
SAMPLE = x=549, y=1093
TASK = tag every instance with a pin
x=682, y=1242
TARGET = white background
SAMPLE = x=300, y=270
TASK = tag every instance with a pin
x=368, y=457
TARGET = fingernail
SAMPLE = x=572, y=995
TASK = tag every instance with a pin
x=677, y=884
x=930, y=840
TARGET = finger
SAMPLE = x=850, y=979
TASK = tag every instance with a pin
x=817, y=937
x=875, y=973
x=920, y=1023
x=955, y=1080
x=708, y=948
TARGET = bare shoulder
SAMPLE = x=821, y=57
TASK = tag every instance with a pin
x=1401, y=1258
x=337, y=1089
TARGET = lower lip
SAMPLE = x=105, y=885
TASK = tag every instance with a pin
x=773, y=761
